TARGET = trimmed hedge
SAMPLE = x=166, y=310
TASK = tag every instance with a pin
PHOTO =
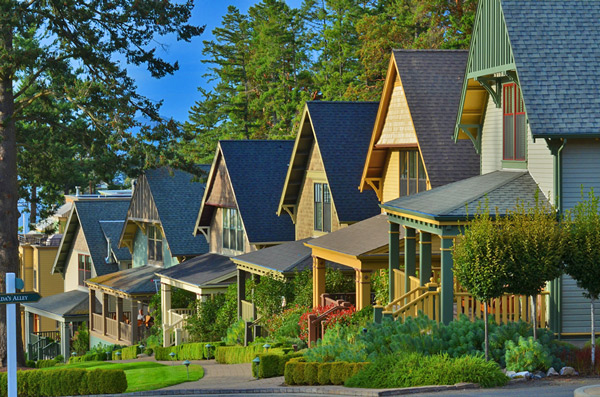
x=45, y=363
x=271, y=364
x=127, y=353
x=244, y=354
x=298, y=372
x=187, y=351
x=89, y=357
x=67, y=382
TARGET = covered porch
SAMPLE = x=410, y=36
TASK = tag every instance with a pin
x=114, y=302
x=205, y=276
x=68, y=309
x=440, y=214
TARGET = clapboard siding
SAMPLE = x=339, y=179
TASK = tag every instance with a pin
x=391, y=178
x=491, y=139
x=540, y=164
x=580, y=167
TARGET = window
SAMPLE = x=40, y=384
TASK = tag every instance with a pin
x=515, y=123
x=155, y=252
x=412, y=173
x=322, y=208
x=233, y=232
x=85, y=268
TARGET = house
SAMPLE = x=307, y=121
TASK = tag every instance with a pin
x=156, y=230
x=85, y=252
x=410, y=151
x=528, y=108
x=238, y=211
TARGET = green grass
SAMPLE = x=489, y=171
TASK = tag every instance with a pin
x=144, y=375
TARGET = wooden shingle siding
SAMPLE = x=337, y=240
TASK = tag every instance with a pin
x=142, y=205
x=80, y=243
x=491, y=139
x=398, y=128
x=221, y=193
x=580, y=166
x=391, y=177
x=540, y=164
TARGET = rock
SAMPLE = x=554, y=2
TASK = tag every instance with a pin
x=522, y=374
x=552, y=372
x=568, y=371
x=510, y=374
x=538, y=375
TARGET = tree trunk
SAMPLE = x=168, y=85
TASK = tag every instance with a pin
x=485, y=320
x=9, y=214
x=534, y=316
x=33, y=206
x=593, y=335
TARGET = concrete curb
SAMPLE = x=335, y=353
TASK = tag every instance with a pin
x=586, y=391
x=313, y=390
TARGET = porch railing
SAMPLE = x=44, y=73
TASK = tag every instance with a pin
x=316, y=324
x=43, y=348
x=175, y=334
x=98, y=322
x=126, y=330
x=111, y=327
x=54, y=335
x=176, y=315
x=415, y=282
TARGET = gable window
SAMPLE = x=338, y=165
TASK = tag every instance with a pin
x=155, y=252
x=233, y=232
x=515, y=124
x=322, y=208
x=85, y=268
x=412, y=173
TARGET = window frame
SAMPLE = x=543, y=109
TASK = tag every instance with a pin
x=322, y=208
x=409, y=159
x=513, y=106
x=233, y=230
x=84, y=273
x=154, y=241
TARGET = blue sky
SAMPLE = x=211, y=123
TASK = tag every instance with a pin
x=179, y=92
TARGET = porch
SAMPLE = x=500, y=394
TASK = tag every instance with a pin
x=204, y=275
x=114, y=301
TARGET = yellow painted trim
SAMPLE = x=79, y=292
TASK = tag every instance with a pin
x=356, y=262
x=317, y=176
x=422, y=219
x=259, y=270
x=424, y=242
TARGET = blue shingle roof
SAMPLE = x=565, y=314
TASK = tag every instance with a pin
x=112, y=231
x=343, y=133
x=257, y=171
x=177, y=199
x=91, y=213
x=556, y=46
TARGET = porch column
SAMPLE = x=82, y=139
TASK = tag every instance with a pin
x=363, y=295
x=104, y=311
x=165, y=306
x=28, y=329
x=410, y=247
x=65, y=335
x=447, y=281
x=424, y=257
x=119, y=316
x=241, y=289
x=394, y=256
x=134, y=324
x=92, y=308
x=318, y=280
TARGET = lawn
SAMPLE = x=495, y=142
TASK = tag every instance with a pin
x=145, y=375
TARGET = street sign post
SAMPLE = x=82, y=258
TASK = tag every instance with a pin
x=11, y=337
x=19, y=297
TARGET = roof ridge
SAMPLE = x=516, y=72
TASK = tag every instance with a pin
x=254, y=140
x=432, y=50
x=517, y=174
x=343, y=102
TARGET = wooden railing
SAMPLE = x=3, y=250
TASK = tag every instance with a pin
x=98, y=323
x=176, y=315
x=507, y=308
x=248, y=311
x=126, y=332
x=399, y=283
x=111, y=327
x=54, y=335
x=425, y=299
x=316, y=323
x=170, y=337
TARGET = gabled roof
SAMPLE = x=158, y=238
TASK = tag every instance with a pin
x=88, y=214
x=172, y=198
x=431, y=82
x=177, y=198
x=556, y=46
x=500, y=190
x=256, y=170
x=342, y=131
x=112, y=231
x=203, y=270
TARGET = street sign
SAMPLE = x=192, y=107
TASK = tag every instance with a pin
x=19, y=297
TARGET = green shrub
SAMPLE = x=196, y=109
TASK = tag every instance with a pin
x=324, y=373
x=415, y=369
x=288, y=374
x=127, y=353
x=148, y=351
x=238, y=354
x=60, y=358
x=527, y=355
x=235, y=333
x=272, y=364
x=303, y=373
x=337, y=373
x=89, y=357
x=30, y=363
x=67, y=382
x=187, y=351
x=298, y=372
x=45, y=363
x=311, y=373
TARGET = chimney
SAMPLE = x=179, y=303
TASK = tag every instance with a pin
x=77, y=191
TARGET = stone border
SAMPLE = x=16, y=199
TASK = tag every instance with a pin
x=314, y=390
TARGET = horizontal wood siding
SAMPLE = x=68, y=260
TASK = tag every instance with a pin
x=580, y=167
x=391, y=176
x=540, y=164
x=142, y=204
x=50, y=284
x=216, y=236
x=491, y=139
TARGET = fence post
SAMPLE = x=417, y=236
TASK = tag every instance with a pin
x=377, y=314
